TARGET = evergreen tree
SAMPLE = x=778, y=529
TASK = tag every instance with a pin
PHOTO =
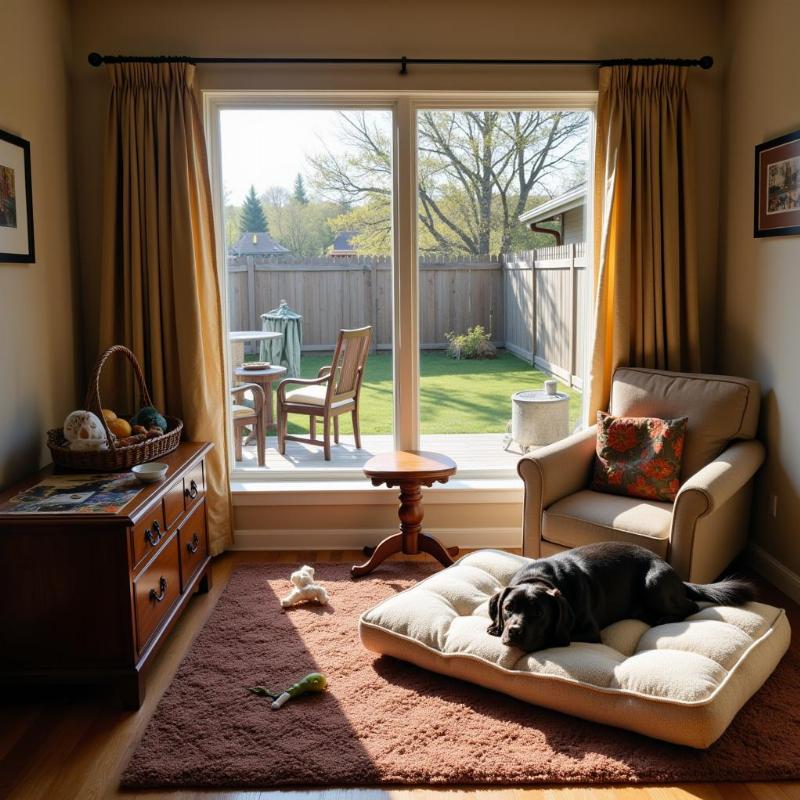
x=252, y=218
x=300, y=190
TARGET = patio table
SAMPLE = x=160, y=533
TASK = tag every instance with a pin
x=238, y=338
x=264, y=378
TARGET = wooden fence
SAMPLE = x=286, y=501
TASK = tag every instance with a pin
x=532, y=302
x=548, y=309
x=333, y=293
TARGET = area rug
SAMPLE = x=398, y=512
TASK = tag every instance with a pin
x=383, y=721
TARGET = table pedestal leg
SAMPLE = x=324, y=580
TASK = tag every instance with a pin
x=237, y=355
x=410, y=539
x=269, y=416
x=388, y=547
x=411, y=513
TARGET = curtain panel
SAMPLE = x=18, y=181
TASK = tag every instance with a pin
x=646, y=309
x=160, y=292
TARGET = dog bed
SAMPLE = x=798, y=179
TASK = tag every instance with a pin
x=681, y=682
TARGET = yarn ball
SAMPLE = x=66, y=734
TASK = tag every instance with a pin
x=149, y=417
x=84, y=431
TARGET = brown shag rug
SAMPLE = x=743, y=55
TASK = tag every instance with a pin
x=383, y=721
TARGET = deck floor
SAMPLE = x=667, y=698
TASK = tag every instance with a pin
x=470, y=451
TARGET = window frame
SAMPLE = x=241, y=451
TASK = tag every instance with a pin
x=404, y=106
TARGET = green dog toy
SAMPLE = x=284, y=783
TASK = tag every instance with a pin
x=314, y=682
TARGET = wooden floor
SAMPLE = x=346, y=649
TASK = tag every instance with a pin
x=63, y=744
x=471, y=451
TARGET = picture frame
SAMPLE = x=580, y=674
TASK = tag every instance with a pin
x=16, y=200
x=777, y=187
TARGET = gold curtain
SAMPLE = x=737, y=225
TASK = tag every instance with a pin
x=160, y=293
x=646, y=311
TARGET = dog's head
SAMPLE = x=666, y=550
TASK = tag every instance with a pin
x=531, y=616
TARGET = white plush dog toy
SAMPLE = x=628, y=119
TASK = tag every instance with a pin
x=304, y=588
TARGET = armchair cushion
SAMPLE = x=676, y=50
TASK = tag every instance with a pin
x=720, y=408
x=587, y=516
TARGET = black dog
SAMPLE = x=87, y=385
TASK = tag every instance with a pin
x=571, y=596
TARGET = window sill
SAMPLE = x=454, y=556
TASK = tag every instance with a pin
x=256, y=491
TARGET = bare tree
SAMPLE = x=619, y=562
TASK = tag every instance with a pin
x=477, y=172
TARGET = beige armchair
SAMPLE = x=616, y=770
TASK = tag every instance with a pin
x=707, y=525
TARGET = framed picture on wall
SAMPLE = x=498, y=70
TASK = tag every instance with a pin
x=777, y=208
x=16, y=201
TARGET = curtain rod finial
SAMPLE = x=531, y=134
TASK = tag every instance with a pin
x=95, y=59
x=706, y=62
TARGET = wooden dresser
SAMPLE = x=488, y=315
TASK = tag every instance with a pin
x=86, y=598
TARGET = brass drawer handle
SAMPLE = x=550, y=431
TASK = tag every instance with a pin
x=191, y=492
x=153, y=535
x=193, y=545
x=159, y=596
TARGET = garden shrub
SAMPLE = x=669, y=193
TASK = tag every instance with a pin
x=475, y=343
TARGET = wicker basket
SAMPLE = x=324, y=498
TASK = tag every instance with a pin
x=115, y=458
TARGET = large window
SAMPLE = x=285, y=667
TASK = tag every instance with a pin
x=454, y=228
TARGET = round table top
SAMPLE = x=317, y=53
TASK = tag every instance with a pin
x=253, y=336
x=240, y=372
x=410, y=464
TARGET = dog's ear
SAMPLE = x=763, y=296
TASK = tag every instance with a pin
x=564, y=620
x=495, y=606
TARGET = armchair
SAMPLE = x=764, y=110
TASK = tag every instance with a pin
x=707, y=524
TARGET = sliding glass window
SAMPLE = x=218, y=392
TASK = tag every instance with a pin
x=503, y=280
x=307, y=227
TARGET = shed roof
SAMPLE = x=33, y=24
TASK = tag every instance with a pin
x=558, y=205
x=343, y=244
x=258, y=243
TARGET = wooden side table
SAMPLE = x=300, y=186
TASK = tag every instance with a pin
x=410, y=470
x=264, y=378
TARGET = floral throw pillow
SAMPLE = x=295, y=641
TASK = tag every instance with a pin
x=639, y=456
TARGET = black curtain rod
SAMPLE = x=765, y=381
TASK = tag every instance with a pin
x=706, y=62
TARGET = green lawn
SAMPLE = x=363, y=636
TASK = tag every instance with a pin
x=456, y=396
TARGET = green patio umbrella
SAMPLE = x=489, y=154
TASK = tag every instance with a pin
x=286, y=350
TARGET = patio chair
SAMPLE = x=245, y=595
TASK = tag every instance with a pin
x=247, y=417
x=335, y=391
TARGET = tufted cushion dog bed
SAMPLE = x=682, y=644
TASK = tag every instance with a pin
x=681, y=682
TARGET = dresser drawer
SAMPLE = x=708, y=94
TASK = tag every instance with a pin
x=194, y=486
x=149, y=533
x=156, y=590
x=193, y=544
x=173, y=503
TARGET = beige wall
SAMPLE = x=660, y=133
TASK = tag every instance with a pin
x=351, y=524
x=760, y=324
x=38, y=312
x=518, y=28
